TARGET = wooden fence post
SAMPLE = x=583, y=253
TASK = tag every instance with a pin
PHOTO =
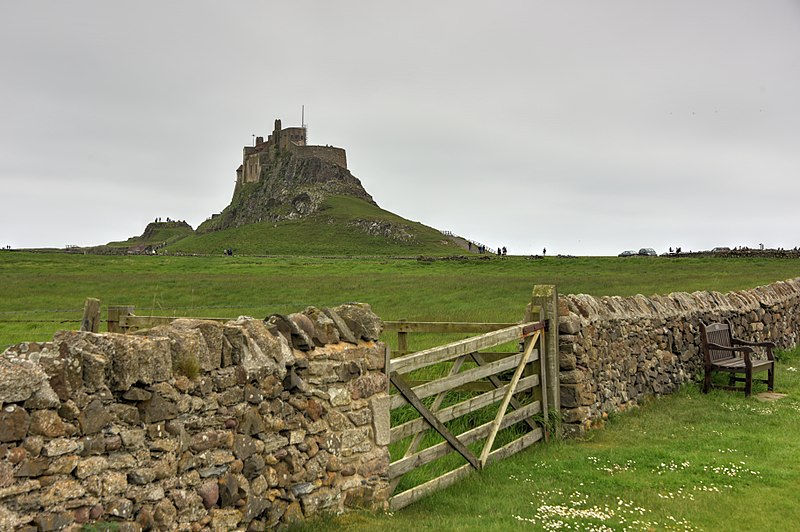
x=114, y=313
x=91, y=315
x=402, y=341
x=546, y=298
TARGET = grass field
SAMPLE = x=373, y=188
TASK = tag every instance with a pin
x=38, y=291
x=684, y=462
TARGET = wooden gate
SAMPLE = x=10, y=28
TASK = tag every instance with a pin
x=473, y=384
x=477, y=386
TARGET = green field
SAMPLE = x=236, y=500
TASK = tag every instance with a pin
x=39, y=291
x=684, y=462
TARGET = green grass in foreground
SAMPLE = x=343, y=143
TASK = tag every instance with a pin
x=682, y=462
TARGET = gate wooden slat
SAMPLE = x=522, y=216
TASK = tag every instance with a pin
x=430, y=418
x=489, y=357
x=406, y=464
x=476, y=386
x=437, y=402
x=443, y=327
x=427, y=357
x=515, y=446
x=448, y=383
x=487, y=447
x=465, y=407
x=411, y=495
x=401, y=500
x=478, y=358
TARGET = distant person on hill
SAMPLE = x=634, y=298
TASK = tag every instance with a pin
x=544, y=252
x=504, y=251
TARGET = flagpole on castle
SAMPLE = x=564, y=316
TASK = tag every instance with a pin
x=303, y=123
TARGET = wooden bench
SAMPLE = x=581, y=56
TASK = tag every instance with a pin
x=725, y=352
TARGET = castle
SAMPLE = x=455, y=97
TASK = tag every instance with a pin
x=290, y=139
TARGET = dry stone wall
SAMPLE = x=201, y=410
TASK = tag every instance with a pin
x=198, y=425
x=616, y=351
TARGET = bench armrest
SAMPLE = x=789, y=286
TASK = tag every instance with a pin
x=768, y=346
x=743, y=349
x=739, y=341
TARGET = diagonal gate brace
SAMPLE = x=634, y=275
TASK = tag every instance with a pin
x=432, y=420
x=512, y=386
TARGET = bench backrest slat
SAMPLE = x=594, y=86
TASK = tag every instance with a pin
x=720, y=334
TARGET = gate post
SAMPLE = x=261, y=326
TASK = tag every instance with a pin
x=546, y=298
x=114, y=314
x=91, y=315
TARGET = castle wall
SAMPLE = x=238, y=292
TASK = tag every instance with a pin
x=333, y=155
x=614, y=352
x=251, y=167
x=196, y=424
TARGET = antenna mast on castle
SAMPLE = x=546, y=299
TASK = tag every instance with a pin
x=303, y=123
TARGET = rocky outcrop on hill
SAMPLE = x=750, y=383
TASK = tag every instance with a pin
x=290, y=187
x=153, y=228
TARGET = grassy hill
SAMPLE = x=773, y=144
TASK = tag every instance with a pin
x=344, y=225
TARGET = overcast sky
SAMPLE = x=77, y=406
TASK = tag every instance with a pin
x=587, y=127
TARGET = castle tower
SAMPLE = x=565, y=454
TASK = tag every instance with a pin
x=276, y=134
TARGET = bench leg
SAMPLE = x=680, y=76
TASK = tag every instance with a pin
x=748, y=383
x=771, y=378
x=707, y=381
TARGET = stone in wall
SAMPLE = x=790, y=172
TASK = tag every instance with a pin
x=255, y=434
x=616, y=351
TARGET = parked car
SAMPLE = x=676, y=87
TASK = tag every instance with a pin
x=721, y=250
x=649, y=252
x=628, y=253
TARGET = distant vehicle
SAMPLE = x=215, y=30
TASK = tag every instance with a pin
x=720, y=250
x=648, y=252
x=628, y=253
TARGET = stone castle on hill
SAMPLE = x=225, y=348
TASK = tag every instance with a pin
x=282, y=140
x=283, y=178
